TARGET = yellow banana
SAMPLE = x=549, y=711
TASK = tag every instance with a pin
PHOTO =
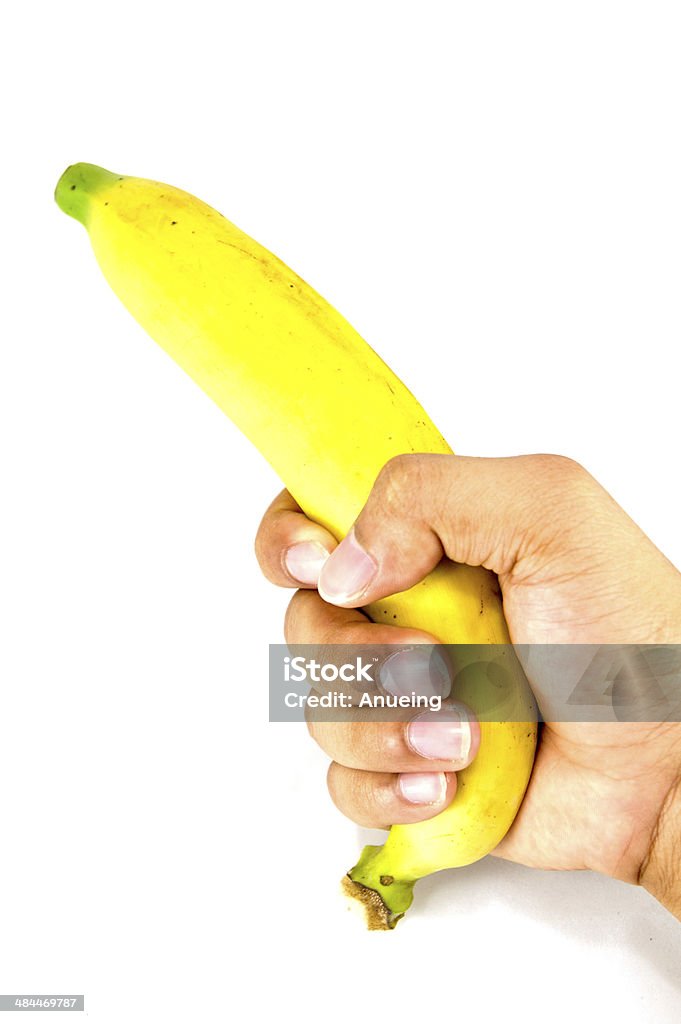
x=327, y=413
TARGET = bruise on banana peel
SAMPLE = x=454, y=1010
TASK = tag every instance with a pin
x=280, y=361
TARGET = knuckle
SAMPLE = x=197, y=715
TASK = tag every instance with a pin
x=369, y=746
x=558, y=469
x=360, y=796
x=294, y=615
x=342, y=785
x=334, y=786
x=269, y=551
x=358, y=745
x=568, y=495
x=384, y=799
x=399, y=479
x=393, y=746
x=260, y=543
x=562, y=480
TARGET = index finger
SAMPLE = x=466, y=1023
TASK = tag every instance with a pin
x=291, y=549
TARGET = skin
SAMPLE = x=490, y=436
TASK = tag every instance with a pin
x=573, y=568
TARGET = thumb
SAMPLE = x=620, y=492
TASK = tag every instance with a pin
x=478, y=511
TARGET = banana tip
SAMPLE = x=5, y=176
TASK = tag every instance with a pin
x=77, y=185
x=377, y=917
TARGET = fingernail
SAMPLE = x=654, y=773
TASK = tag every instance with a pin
x=420, y=670
x=423, y=787
x=304, y=561
x=347, y=572
x=441, y=735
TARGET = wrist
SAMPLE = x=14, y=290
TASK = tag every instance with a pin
x=660, y=871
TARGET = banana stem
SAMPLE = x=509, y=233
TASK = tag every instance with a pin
x=384, y=897
x=78, y=184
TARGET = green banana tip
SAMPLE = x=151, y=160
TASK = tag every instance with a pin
x=77, y=185
x=377, y=884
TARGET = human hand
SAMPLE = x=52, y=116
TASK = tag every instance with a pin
x=573, y=569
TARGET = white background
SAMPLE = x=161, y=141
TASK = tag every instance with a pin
x=490, y=193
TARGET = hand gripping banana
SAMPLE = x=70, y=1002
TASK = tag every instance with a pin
x=281, y=362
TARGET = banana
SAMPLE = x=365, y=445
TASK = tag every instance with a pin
x=327, y=413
